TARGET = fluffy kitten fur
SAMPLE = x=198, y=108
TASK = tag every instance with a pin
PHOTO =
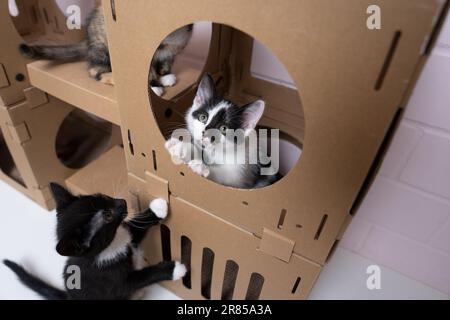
x=92, y=232
x=222, y=115
x=94, y=49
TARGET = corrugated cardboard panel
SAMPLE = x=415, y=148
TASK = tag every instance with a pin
x=209, y=236
x=351, y=80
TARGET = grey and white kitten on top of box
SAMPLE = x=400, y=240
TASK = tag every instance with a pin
x=211, y=113
x=95, y=50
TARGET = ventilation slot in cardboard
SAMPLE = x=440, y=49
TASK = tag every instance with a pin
x=388, y=60
x=255, y=287
x=229, y=279
x=321, y=227
x=234, y=61
x=130, y=143
x=113, y=10
x=81, y=138
x=7, y=165
x=155, y=163
x=296, y=285
x=207, y=270
x=186, y=250
x=282, y=217
x=165, y=243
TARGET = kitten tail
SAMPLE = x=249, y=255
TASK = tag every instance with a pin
x=43, y=289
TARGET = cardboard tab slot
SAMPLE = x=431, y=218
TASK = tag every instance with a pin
x=282, y=217
x=321, y=227
x=130, y=143
x=155, y=163
x=296, y=285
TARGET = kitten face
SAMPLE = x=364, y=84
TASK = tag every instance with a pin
x=211, y=118
x=86, y=224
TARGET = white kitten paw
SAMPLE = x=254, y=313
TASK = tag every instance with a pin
x=159, y=208
x=158, y=91
x=168, y=80
x=179, y=151
x=179, y=271
x=199, y=168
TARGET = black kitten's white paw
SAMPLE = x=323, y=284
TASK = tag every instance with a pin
x=159, y=207
x=179, y=271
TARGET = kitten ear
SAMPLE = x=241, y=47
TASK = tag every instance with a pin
x=62, y=197
x=251, y=114
x=206, y=91
x=69, y=246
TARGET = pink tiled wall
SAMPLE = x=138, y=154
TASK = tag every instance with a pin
x=404, y=222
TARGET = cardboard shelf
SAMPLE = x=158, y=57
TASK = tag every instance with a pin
x=187, y=77
x=71, y=83
x=96, y=177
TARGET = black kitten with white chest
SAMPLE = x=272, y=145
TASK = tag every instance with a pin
x=93, y=234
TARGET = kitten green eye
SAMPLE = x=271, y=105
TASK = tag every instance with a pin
x=223, y=129
x=108, y=216
x=202, y=117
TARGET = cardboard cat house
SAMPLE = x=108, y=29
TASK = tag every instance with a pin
x=353, y=83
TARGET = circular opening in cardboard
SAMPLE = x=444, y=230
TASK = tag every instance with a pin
x=81, y=138
x=225, y=79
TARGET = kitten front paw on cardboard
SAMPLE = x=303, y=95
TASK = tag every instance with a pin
x=159, y=207
x=199, y=168
x=179, y=150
